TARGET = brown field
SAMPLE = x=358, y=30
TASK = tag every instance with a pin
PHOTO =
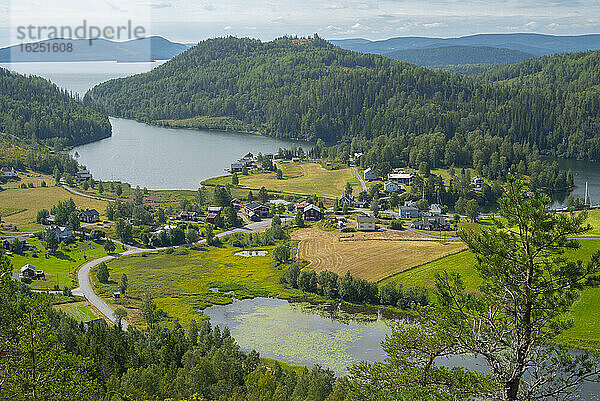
x=372, y=256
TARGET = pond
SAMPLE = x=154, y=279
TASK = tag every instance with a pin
x=583, y=172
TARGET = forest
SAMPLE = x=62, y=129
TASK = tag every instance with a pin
x=313, y=90
x=35, y=109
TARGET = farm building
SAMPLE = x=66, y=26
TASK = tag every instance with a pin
x=64, y=233
x=370, y=175
x=83, y=175
x=365, y=223
x=188, y=215
x=347, y=199
x=431, y=223
x=89, y=216
x=409, y=212
x=391, y=186
x=311, y=212
x=435, y=209
x=257, y=211
x=30, y=271
x=9, y=172
x=9, y=243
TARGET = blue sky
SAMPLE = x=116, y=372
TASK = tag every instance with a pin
x=193, y=20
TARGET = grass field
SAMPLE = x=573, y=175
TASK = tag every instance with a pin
x=298, y=178
x=585, y=313
x=61, y=267
x=20, y=206
x=372, y=256
x=180, y=284
x=78, y=311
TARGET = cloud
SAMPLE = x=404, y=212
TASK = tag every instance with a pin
x=228, y=28
x=161, y=5
x=531, y=25
x=553, y=26
x=434, y=25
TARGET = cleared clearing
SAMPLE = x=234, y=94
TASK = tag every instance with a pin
x=372, y=256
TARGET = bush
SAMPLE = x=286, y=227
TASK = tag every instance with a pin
x=396, y=224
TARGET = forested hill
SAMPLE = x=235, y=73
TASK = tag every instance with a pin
x=312, y=89
x=33, y=108
x=459, y=55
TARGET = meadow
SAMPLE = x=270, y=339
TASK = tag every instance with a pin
x=61, y=267
x=372, y=256
x=79, y=311
x=585, y=313
x=180, y=282
x=307, y=178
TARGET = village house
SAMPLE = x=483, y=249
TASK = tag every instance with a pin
x=295, y=160
x=401, y=178
x=188, y=215
x=391, y=186
x=431, y=223
x=257, y=211
x=299, y=207
x=278, y=202
x=213, y=213
x=9, y=243
x=64, y=233
x=365, y=223
x=31, y=272
x=83, y=175
x=370, y=175
x=347, y=199
x=236, y=168
x=311, y=212
x=89, y=216
x=408, y=212
x=9, y=172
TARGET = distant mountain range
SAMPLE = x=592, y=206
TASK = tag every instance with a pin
x=147, y=49
x=532, y=43
x=459, y=55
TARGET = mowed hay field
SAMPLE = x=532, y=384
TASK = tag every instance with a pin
x=372, y=256
x=298, y=178
x=20, y=206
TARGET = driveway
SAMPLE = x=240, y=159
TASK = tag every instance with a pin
x=363, y=184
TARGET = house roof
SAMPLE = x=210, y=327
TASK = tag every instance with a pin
x=408, y=208
x=254, y=205
x=302, y=204
x=7, y=169
x=348, y=197
x=28, y=267
x=214, y=208
x=399, y=176
x=310, y=206
x=365, y=219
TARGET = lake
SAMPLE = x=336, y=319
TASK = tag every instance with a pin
x=144, y=155
x=166, y=158
x=582, y=172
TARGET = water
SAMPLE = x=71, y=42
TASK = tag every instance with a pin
x=582, y=172
x=152, y=157
x=79, y=77
x=164, y=158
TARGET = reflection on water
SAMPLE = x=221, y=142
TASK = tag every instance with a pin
x=582, y=172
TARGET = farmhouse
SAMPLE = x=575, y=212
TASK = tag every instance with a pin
x=83, y=175
x=311, y=212
x=409, y=212
x=401, y=178
x=299, y=207
x=370, y=175
x=188, y=215
x=391, y=186
x=64, y=233
x=236, y=168
x=256, y=211
x=9, y=172
x=30, y=271
x=431, y=223
x=89, y=216
x=347, y=199
x=365, y=223
x=9, y=243
x=213, y=213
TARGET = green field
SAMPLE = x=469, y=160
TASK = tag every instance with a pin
x=78, y=311
x=307, y=178
x=61, y=267
x=180, y=283
x=586, y=310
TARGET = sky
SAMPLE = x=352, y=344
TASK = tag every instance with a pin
x=194, y=20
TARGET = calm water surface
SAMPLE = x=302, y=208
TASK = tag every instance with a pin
x=582, y=172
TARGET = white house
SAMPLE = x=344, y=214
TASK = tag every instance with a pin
x=401, y=178
x=408, y=212
x=435, y=209
x=64, y=233
x=477, y=182
x=365, y=223
x=370, y=175
x=8, y=172
x=391, y=186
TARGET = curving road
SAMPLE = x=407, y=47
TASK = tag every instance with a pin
x=85, y=286
x=360, y=179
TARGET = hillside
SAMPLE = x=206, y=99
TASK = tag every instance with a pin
x=137, y=50
x=315, y=90
x=459, y=55
x=536, y=44
x=32, y=107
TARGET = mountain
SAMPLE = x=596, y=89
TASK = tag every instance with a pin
x=32, y=107
x=146, y=49
x=460, y=55
x=533, y=43
x=313, y=90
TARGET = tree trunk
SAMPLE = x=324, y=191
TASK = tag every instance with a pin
x=512, y=389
